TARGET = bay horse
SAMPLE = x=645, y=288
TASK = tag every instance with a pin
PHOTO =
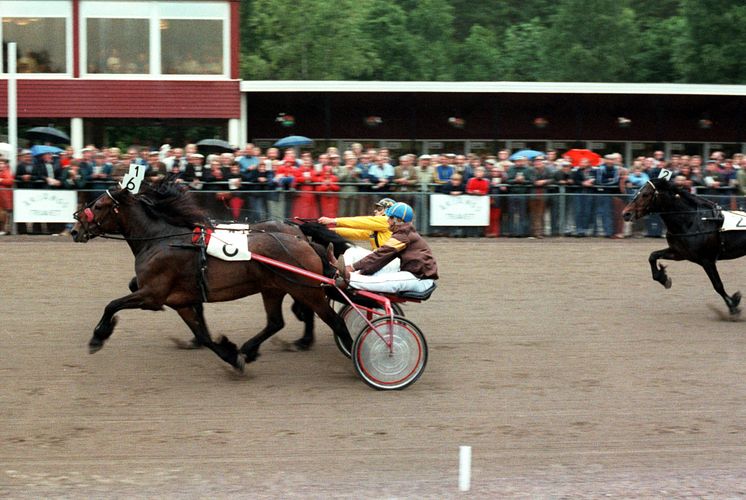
x=158, y=226
x=316, y=233
x=693, y=233
x=301, y=312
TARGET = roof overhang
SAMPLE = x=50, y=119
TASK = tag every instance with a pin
x=491, y=87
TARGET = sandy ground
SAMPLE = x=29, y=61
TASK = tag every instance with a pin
x=568, y=371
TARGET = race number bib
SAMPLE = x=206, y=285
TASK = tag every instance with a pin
x=230, y=242
x=131, y=180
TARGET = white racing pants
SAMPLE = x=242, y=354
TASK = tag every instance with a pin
x=354, y=254
x=389, y=279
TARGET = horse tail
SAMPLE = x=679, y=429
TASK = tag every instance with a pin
x=319, y=233
x=328, y=271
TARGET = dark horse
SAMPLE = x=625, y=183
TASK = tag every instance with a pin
x=157, y=224
x=301, y=312
x=694, y=234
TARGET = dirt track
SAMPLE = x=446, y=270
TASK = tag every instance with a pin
x=564, y=366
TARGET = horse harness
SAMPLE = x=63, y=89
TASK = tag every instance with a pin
x=91, y=218
x=715, y=210
x=200, y=239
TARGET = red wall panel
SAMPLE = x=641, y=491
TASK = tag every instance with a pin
x=67, y=98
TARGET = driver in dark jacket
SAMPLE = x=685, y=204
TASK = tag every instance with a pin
x=419, y=269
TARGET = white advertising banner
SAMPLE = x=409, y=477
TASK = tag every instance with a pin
x=44, y=205
x=463, y=210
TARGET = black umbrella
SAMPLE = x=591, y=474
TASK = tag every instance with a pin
x=210, y=146
x=48, y=134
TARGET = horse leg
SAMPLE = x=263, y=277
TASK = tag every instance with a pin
x=275, y=323
x=194, y=317
x=659, y=273
x=306, y=315
x=192, y=344
x=105, y=326
x=195, y=342
x=731, y=301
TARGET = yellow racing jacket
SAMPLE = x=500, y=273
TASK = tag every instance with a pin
x=374, y=228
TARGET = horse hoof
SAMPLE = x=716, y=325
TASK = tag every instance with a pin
x=301, y=345
x=667, y=284
x=94, y=346
x=736, y=299
x=240, y=364
x=248, y=355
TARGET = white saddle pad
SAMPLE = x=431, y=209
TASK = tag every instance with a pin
x=230, y=242
x=733, y=220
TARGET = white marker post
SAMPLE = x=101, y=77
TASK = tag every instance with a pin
x=464, y=468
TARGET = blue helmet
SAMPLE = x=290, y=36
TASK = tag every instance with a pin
x=400, y=211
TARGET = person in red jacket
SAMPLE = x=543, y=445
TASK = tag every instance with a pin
x=478, y=185
x=305, y=205
x=6, y=195
x=328, y=183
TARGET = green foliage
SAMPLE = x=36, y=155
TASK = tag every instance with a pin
x=432, y=24
x=713, y=42
x=480, y=56
x=385, y=25
x=591, y=41
x=655, y=61
x=525, y=52
x=306, y=40
x=694, y=41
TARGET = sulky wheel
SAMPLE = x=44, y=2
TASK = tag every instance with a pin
x=355, y=323
x=395, y=368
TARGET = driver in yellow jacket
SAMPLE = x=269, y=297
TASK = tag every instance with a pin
x=373, y=228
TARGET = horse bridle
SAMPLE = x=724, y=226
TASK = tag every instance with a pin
x=90, y=217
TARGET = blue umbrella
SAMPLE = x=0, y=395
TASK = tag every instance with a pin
x=529, y=154
x=40, y=150
x=292, y=141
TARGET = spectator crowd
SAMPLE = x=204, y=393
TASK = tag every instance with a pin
x=535, y=197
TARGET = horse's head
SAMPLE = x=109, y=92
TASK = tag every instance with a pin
x=99, y=217
x=646, y=200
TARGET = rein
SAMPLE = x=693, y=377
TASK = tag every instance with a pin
x=151, y=238
x=276, y=271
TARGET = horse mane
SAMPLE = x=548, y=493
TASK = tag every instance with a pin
x=691, y=199
x=172, y=202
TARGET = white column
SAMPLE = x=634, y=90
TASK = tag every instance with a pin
x=155, y=39
x=12, y=106
x=76, y=135
x=243, y=132
x=234, y=132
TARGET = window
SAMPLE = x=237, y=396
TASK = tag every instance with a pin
x=40, y=43
x=118, y=46
x=191, y=47
x=179, y=39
